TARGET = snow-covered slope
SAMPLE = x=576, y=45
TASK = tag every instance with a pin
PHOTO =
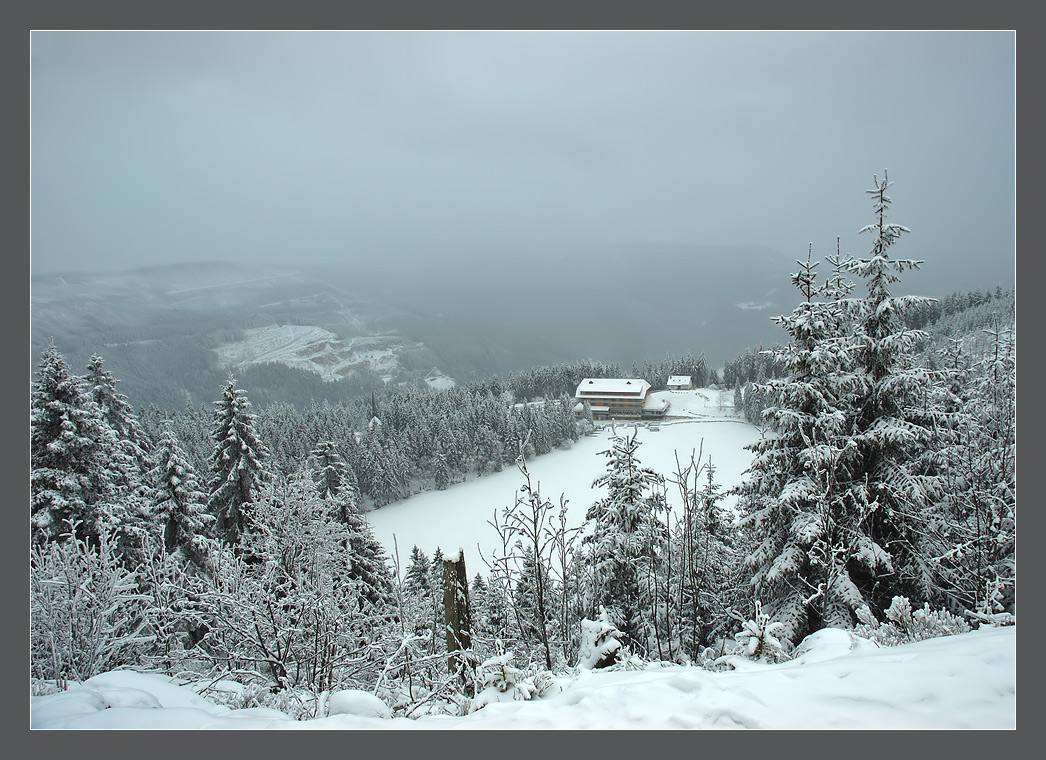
x=967, y=681
x=317, y=350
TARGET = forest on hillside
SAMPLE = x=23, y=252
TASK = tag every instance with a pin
x=230, y=542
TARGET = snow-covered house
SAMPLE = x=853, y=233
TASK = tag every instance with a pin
x=680, y=383
x=621, y=398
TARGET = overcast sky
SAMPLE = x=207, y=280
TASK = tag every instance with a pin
x=156, y=147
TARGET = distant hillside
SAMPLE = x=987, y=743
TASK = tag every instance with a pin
x=172, y=334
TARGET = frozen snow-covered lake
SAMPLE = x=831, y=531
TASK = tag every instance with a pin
x=457, y=518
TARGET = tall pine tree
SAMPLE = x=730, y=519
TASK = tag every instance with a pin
x=789, y=499
x=890, y=426
x=78, y=473
x=237, y=463
x=368, y=562
x=627, y=533
x=178, y=503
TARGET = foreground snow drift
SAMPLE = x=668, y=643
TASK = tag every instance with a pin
x=837, y=681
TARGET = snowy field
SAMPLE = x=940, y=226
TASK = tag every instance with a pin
x=457, y=518
x=837, y=681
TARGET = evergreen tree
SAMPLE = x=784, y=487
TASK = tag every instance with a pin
x=836, y=495
x=418, y=578
x=890, y=427
x=531, y=597
x=116, y=410
x=237, y=463
x=789, y=500
x=440, y=469
x=438, y=626
x=333, y=479
x=491, y=613
x=626, y=532
x=178, y=503
x=78, y=473
x=368, y=562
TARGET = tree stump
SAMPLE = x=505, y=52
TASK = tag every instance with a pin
x=457, y=613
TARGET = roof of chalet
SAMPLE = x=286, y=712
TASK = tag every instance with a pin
x=680, y=379
x=600, y=385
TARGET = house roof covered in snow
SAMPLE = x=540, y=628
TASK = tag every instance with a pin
x=680, y=380
x=656, y=403
x=606, y=386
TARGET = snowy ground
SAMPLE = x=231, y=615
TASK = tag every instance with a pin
x=966, y=681
x=457, y=517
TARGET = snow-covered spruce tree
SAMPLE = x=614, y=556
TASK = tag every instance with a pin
x=491, y=614
x=178, y=504
x=799, y=522
x=888, y=427
x=369, y=564
x=79, y=473
x=418, y=578
x=237, y=463
x=386, y=471
x=441, y=474
x=627, y=533
x=758, y=638
x=333, y=479
x=131, y=459
x=115, y=408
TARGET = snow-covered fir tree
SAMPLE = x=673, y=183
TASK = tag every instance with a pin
x=116, y=409
x=237, y=464
x=178, y=503
x=79, y=472
x=333, y=478
x=889, y=424
x=626, y=537
x=835, y=496
x=368, y=562
x=418, y=577
x=758, y=637
x=798, y=518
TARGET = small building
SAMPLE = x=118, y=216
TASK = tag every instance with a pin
x=620, y=398
x=680, y=383
x=655, y=407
